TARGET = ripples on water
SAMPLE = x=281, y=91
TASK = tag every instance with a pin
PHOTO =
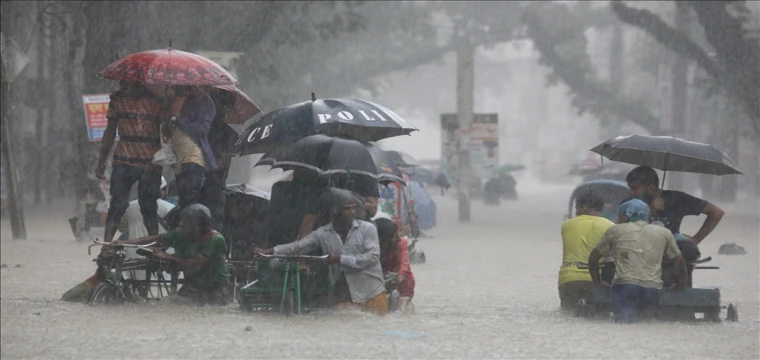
x=487, y=291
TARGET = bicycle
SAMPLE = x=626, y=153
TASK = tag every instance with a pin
x=118, y=289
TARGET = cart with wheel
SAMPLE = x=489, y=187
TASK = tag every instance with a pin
x=674, y=305
x=119, y=284
x=290, y=284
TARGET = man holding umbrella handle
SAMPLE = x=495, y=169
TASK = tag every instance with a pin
x=135, y=113
x=190, y=116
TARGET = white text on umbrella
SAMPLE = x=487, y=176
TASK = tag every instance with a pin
x=345, y=115
x=264, y=133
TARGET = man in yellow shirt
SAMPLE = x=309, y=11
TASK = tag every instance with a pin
x=579, y=237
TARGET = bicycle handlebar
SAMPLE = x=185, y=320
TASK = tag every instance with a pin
x=103, y=243
x=295, y=257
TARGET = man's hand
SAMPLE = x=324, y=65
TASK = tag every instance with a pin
x=605, y=284
x=257, y=251
x=333, y=259
x=100, y=171
x=160, y=254
x=176, y=106
x=658, y=204
x=676, y=287
x=689, y=237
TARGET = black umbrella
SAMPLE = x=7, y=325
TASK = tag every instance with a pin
x=335, y=156
x=357, y=119
x=403, y=159
x=667, y=153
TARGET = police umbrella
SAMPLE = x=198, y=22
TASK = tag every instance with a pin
x=358, y=119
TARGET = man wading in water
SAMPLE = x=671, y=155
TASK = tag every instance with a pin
x=200, y=254
x=355, y=272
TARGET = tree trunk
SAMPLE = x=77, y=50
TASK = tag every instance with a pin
x=617, y=47
x=41, y=168
x=729, y=143
x=679, y=87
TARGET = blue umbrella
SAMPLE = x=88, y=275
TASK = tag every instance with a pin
x=427, y=176
x=424, y=206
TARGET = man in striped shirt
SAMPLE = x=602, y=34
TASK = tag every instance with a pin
x=135, y=113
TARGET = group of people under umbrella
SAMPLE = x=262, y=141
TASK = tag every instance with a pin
x=173, y=108
x=648, y=226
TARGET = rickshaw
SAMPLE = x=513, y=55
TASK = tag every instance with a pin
x=612, y=191
x=666, y=153
x=119, y=285
x=674, y=305
x=293, y=290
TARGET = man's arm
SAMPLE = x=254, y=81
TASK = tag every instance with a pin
x=714, y=215
x=672, y=252
x=682, y=272
x=198, y=120
x=303, y=246
x=109, y=135
x=140, y=241
x=370, y=255
x=403, y=259
x=593, y=266
x=216, y=247
x=603, y=247
x=189, y=264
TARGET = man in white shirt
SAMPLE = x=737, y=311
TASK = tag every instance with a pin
x=131, y=227
x=132, y=221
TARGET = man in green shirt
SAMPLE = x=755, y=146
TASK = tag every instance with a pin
x=199, y=252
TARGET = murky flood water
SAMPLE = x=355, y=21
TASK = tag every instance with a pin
x=487, y=291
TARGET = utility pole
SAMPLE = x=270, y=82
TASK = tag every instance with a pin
x=617, y=49
x=465, y=105
x=40, y=109
x=13, y=61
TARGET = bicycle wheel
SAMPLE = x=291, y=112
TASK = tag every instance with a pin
x=106, y=293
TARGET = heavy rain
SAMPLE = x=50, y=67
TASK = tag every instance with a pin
x=380, y=179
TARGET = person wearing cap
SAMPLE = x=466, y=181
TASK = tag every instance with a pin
x=355, y=272
x=199, y=251
x=638, y=248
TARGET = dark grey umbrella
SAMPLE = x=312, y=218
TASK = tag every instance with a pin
x=359, y=119
x=403, y=159
x=331, y=156
x=667, y=153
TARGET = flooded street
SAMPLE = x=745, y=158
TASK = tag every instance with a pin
x=488, y=291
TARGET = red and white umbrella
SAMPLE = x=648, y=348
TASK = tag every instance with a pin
x=168, y=67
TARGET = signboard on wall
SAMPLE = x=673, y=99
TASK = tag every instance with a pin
x=95, y=109
x=483, y=145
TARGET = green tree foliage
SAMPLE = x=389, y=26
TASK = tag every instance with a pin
x=558, y=34
x=733, y=57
